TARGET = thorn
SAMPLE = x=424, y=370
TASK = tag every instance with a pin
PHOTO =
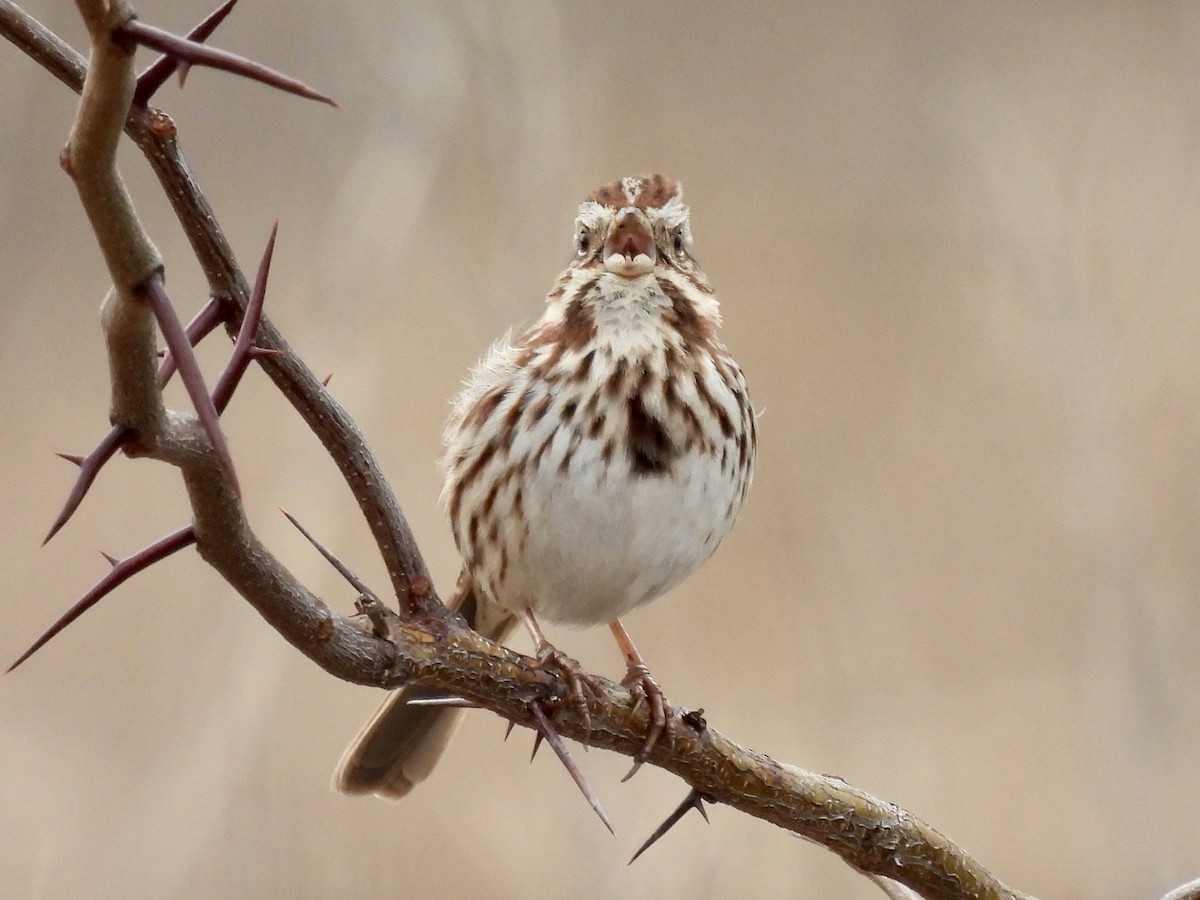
x=508, y=730
x=263, y=352
x=556, y=744
x=112, y=560
x=89, y=468
x=189, y=370
x=368, y=602
x=202, y=323
x=184, y=68
x=694, y=800
x=192, y=53
x=343, y=570
x=209, y=316
x=243, y=347
x=328, y=378
x=156, y=74
x=117, y=575
x=637, y=764
x=537, y=742
x=452, y=702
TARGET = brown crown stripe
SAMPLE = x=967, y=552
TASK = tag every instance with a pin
x=654, y=191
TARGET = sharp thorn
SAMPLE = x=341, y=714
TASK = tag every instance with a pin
x=243, y=347
x=189, y=370
x=508, y=730
x=89, y=468
x=357, y=583
x=537, y=742
x=112, y=560
x=71, y=458
x=115, y=577
x=453, y=702
x=191, y=53
x=155, y=75
x=325, y=381
x=209, y=317
x=556, y=744
x=694, y=800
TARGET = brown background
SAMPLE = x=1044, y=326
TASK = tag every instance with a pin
x=956, y=245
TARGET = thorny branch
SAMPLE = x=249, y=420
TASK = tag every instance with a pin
x=426, y=644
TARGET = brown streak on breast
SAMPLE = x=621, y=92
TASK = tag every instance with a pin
x=596, y=427
x=485, y=456
x=673, y=403
x=514, y=412
x=539, y=409
x=490, y=500
x=573, y=332
x=536, y=460
x=696, y=333
x=482, y=409
x=615, y=385
x=714, y=407
x=585, y=365
x=647, y=442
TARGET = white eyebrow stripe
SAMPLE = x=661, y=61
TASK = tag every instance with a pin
x=592, y=213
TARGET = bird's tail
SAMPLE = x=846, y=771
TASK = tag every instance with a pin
x=400, y=745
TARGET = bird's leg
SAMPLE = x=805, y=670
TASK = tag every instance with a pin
x=643, y=687
x=552, y=658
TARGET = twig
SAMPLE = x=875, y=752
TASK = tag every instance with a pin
x=201, y=324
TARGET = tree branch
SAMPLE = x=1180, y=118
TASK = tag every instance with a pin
x=426, y=645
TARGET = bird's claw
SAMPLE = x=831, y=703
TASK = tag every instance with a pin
x=553, y=659
x=646, y=690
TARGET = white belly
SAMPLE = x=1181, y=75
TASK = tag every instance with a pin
x=603, y=541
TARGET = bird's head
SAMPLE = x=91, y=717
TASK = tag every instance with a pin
x=631, y=226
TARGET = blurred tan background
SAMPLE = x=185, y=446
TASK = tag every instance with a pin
x=957, y=249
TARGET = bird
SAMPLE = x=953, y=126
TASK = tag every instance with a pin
x=591, y=463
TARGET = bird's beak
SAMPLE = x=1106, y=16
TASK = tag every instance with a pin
x=629, y=250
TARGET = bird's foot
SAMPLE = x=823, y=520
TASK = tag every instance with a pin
x=646, y=690
x=553, y=659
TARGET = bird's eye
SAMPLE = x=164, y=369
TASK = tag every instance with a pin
x=583, y=241
x=679, y=241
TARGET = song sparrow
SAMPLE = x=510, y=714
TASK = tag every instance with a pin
x=591, y=464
